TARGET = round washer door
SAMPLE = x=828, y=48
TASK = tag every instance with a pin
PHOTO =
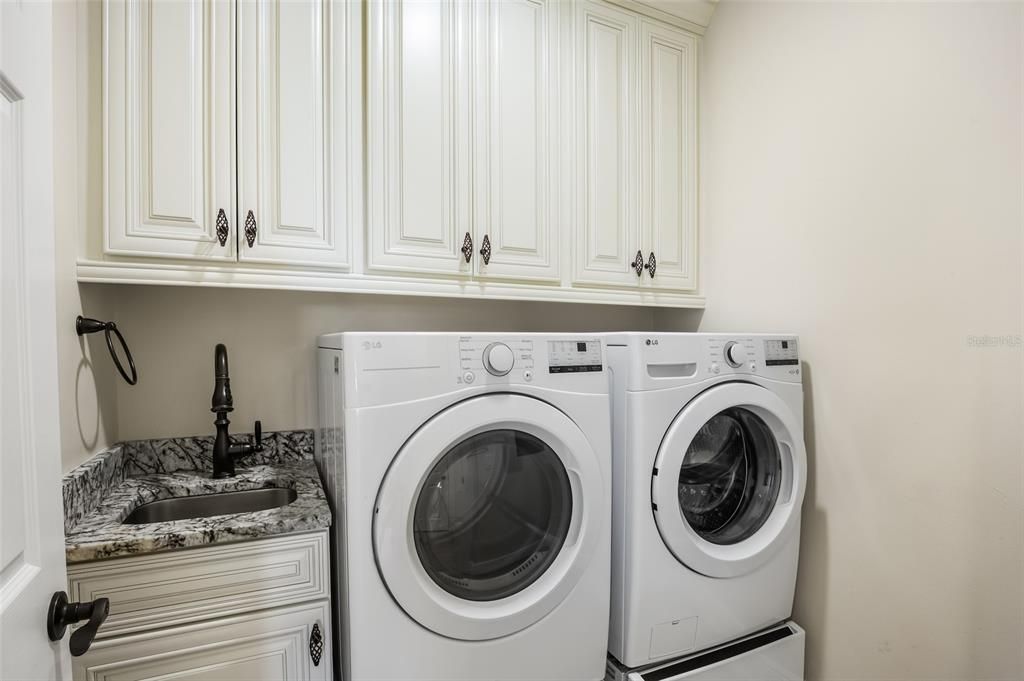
x=488, y=516
x=729, y=480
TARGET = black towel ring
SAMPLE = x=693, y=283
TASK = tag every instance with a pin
x=84, y=325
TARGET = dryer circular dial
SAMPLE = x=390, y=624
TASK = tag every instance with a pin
x=735, y=354
x=498, y=359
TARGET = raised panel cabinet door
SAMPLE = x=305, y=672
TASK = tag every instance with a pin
x=299, y=159
x=517, y=97
x=668, y=156
x=418, y=133
x=169, y=128
x=269, y=645
x=607, y=72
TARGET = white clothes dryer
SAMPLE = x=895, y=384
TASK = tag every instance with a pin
x=470, y=476
x=709, y=471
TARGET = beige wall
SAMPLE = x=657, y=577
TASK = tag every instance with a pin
x=87, y=396
x=862, y=187
x=271, y=337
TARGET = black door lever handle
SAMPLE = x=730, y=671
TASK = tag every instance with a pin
x=62, y=614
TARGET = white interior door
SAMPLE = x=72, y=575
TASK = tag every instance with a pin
x=31, y=511
x=299, y=99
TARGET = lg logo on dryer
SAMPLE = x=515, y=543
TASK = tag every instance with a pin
x=372, y=345
x=652, y=341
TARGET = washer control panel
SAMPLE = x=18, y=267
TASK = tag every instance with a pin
x=574, y=356
x=781, y=352
x=777, y=356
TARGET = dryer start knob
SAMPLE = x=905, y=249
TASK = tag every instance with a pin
x=735, y=354
x=498, y=359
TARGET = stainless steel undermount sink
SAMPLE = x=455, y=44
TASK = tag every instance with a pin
x=206, y=505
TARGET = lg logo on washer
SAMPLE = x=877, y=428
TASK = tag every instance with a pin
x=652, y=341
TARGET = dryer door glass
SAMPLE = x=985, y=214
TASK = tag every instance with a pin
x=730, y=477
x=492, y=515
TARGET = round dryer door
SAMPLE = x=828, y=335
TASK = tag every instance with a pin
x=488, y=516
x=729, y=480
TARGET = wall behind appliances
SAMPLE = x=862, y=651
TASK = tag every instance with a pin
x=271, y=338
x=862, y=187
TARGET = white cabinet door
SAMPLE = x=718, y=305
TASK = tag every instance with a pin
x=606, y=73
x=418, y=132
x=299, y=98
x=668, y=156
x=517, y=95
x=169, y=125
x=270, y=645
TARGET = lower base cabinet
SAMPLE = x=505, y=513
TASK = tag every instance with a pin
x=282, y=644
x=257, y=610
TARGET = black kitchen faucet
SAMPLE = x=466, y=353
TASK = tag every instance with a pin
x=224, y=451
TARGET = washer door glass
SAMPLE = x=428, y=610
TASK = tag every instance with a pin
x=492, y=515
x=730, y=477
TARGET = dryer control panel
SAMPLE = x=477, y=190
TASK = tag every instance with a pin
x=504, y=359
x=495, y=357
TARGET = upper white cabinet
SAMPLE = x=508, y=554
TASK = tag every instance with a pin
x=517, y=143
x=462, y=150
x=668, y=156
x=169, y=123
x=299, y=85
x=176, y=100
x=418, y=135
x=607, y=79
x=537, y=149
x=636, y=107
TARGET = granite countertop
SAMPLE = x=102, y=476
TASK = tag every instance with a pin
x=98, y=533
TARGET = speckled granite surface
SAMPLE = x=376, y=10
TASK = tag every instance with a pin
x=100, y=493
x=101, y=534
x=143, y=457
x=84, y=488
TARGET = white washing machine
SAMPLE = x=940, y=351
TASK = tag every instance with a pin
x=709, y=471
x=470, y=476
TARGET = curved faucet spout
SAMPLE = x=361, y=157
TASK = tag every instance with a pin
x=221, y=401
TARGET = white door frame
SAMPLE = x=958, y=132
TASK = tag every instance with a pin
x=32, y=564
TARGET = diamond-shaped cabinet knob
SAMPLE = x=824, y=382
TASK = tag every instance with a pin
x=250, y=229
x=652, y=265
x=222, y=227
